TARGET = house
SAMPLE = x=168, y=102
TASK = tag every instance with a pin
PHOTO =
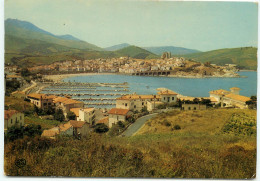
x=65, y=104
x=230, y=98
x=116, y=114
x=85, y=114
x=193, y=107
x=80, y=128
x=42, y=101
x=65, y=129
x=168, y=96
x=104, y=120
x=135, y=102
x=71, y=128
x=236, y=100
x=13, y=118
x=151, y=105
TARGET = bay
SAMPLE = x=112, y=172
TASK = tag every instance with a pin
x=195, y=87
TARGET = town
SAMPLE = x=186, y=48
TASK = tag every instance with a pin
x=77, y=119
x=166, y=66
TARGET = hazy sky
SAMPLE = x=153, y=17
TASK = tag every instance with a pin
x=197, y=25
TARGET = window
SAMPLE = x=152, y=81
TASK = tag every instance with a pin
x=142, y=103
x=134, y=106
x=125, y=105
x=172, y=98
x=20, y=117
x=16, y=120
x=164, y=98
x=11, y=121
x=117, y=118
x=189, y=108
x=194, y=108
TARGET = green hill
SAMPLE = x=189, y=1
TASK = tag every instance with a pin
x=136, y=52
x=26, y=30
x=244, y=57
x=172, y=49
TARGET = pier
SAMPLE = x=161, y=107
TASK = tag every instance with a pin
x=88, y=94
x=153, y=73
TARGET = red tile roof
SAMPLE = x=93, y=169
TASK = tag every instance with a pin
x=167, y=92
x=118, y=111
x=103, y=120
x=77, y=124
x=50, y=133
x=9, y=113
x=76, y=111
x=238, y=97
x=135, y=96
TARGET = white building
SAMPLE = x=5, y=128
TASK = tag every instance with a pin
x=115, y=115
x=13, y=118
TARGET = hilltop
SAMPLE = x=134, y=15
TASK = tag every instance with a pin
x=174, y=50
x=244, y=57
x=136, y=52
x=117, y=47
x=26, y=30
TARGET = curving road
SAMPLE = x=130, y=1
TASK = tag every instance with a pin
x=133, y=128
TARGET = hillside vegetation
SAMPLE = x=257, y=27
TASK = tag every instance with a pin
x=244, y=57
x=136, y=52
x=197, y=148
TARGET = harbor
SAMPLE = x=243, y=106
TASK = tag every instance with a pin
x=99, y=95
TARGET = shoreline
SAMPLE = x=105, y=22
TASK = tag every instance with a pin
x=60, y=77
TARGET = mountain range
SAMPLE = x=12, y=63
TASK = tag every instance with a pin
x=26, y=44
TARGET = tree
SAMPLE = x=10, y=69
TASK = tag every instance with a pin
x=196, y=100
x=59, y=116
x=101, y=128
x=25, y=72
x=32, y=130
x=71, y=115
x=252, y=103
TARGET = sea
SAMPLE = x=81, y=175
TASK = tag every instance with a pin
x=195, y=87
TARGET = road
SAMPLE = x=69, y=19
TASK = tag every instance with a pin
x=133, y=128
x=28, y=88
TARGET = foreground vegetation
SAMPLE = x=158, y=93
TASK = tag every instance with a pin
x=197, y=148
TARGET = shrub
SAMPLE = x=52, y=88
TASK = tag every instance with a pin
x=101, y=128
x=177, y=127
x=166, y=123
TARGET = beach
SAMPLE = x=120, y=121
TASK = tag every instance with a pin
x=58, y=78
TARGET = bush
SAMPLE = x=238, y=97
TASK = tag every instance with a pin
x=166, y=123
x=101, y=128
x=177, y=127
x=31, y=130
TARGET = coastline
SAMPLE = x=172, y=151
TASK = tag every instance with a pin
x=60, y=77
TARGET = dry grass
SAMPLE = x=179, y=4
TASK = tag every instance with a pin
x=208, y=121
x=199, y=149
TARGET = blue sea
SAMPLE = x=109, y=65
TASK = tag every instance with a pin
x=195, y=87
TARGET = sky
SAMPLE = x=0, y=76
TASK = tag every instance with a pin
x=197, y=25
